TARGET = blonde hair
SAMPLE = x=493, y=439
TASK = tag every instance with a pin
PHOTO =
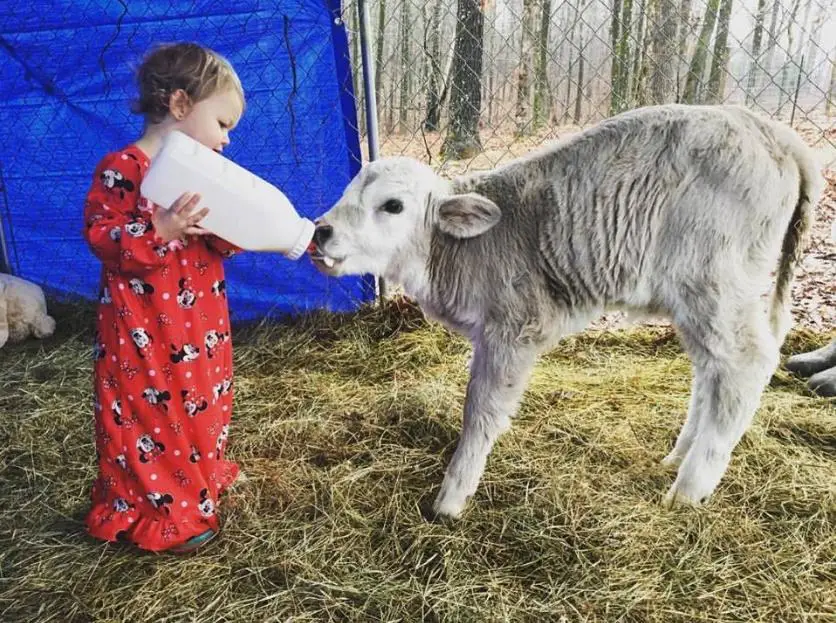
x=197, y=70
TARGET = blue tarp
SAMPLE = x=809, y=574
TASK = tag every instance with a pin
x=66, y=85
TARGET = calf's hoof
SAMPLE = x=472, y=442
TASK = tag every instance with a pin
x=675, y=498
x=687, y=492
x=672, y=460
x=450, y=501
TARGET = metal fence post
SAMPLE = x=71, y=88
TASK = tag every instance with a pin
x=370, y=99
x=5, y=263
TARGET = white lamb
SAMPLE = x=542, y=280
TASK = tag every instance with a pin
x=22, y=310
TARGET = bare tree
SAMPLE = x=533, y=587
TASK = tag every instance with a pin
x=793, y=56
x=663, y=52
x=755, y=53
x=694, y=80
x=433, y=50
x=522, y=115
x=462, y=140
x=378, y=60
x=770, y=44
x=717, y=75
x=357, y=81
x=580, y=91
x=620, y=32
x=569, y=38
x=615, y=70
x=811, y=57
x=541, y=83
x=392, y=71
x=784, y=88
x=685, y=28
x=636, y=78
x=405, y=67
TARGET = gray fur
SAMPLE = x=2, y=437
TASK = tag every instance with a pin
x=676, y=210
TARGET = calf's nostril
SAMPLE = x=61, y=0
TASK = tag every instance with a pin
x=322, y=234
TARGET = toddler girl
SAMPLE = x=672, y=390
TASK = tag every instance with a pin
x=163, y=356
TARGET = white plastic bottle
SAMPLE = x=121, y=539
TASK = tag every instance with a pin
x=243, y=208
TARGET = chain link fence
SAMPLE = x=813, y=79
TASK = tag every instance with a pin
x=545, y=68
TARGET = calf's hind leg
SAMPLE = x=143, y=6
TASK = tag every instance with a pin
x=733, y=360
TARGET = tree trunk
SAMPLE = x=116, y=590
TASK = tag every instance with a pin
x=490, y=97
x=615, y=70
x=755, y=54
x=403, y=104
x=356, y=65
x=717, y=76
x=579, y=96
x=489, y=52
x=811, y=58
x=390, y=97
x=638, y=89
x=693, y=83
x=378, y=61
x=830, y=102
x=663, y=52
x=784, y=86
x=620, y=99
x=541, y=84
x=570, y=66
x=426, y=63
x=462, y=140
x=522, y=115
x=770, y=44
x=433, y=96
x=682, y=47
x=447, y=77
x=805, y=30
x=793, y=65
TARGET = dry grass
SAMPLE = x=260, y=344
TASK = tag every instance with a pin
x=344, y=426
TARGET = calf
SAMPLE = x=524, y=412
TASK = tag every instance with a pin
x=685, y=211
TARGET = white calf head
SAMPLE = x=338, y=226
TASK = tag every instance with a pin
x=385, y=219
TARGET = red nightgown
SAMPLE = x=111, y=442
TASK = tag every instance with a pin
x=163, y=368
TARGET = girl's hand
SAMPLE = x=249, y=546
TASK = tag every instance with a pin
x=180, y=219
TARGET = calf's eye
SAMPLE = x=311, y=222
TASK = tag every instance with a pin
x=393, y=206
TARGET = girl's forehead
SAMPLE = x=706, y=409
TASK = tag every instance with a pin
x=234, y=99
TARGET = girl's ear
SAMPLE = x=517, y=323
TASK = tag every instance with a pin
x=179, y=104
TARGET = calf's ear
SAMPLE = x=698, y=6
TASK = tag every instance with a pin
x=468, y=215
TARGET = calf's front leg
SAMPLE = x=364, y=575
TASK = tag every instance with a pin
x=499, y=373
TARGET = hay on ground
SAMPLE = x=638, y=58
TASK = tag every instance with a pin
x=344, y=424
